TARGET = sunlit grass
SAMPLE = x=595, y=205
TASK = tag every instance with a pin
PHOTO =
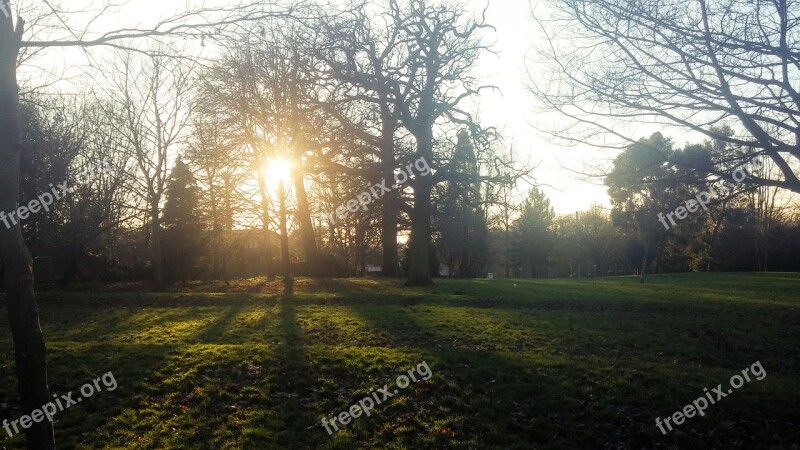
x=516, y=363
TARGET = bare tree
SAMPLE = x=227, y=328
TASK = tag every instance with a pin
x=766, y=206
x=70, y=139
x=596, y=237
x=444, y=45
x=152, y=108
x=360, y=57
x=607, y=64
x=213, y=154
x=261, y=94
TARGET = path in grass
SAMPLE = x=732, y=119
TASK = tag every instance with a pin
x=516, y=364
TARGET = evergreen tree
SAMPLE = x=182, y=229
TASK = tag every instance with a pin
x=184, y=250
x=535, y=231
x=463, y=227
x=649, y=180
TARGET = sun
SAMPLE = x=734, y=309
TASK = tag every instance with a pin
x=279, y=169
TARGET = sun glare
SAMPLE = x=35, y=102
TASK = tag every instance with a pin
x=279, y=169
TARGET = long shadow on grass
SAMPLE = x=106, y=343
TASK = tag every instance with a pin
x=73, y=364
x=728, y=339
x=207, y=387
x=504, y=399
x=78, y=353
x=290, y=419
x=217, y=331
x=477, y=397
x=181, y=395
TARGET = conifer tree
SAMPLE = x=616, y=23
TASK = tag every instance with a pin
x=184, y=251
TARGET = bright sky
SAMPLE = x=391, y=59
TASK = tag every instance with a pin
x=511, y=109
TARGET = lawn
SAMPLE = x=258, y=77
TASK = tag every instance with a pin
x=515, y=364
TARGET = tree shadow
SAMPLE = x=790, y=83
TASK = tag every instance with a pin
x=291, y=417
x=217, y=331
x=561, y=397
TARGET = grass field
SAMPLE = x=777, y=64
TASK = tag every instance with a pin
x=515, y=364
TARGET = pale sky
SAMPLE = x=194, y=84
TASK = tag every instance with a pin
x=513, y=110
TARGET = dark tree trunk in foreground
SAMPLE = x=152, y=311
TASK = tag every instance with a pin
x=29, y=346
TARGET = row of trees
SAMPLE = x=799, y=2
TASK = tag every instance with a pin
x=746, y=227
x=208, y=197
x=347, y=97
x=339, y=99
x=724, y=69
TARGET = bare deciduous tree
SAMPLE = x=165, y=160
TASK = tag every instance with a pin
x=152, y=108
x=436, y=78
x=607, y=64
x=360, y=59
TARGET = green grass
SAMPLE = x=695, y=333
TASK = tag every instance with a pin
x=516, y=364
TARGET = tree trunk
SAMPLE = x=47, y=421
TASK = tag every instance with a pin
x=286, y=266
x=713, y=240
x=23, y=313
x=268, y=266
x=420, y=246
x=306, y=227
x=419, y=251
x=391, y=261
x=465, y=258
x=227, y=223
x=390, y=210
x=508, y=244
x=361, y=247
x=158, y=261
x=644, y=261
x=215, y=230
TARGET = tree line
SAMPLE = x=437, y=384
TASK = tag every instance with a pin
x=347, y=98
x=344, y=98
x=745, y=227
